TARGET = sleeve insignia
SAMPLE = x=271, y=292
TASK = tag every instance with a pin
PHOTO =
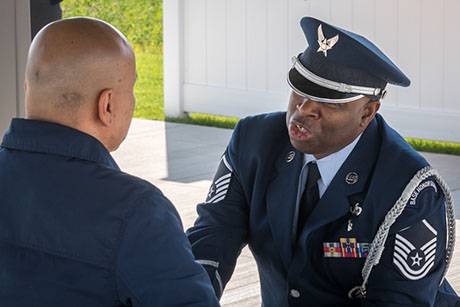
x=415, y=250
x=419, y=189
x=220, y=185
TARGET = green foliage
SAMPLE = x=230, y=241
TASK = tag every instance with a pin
x=435, y=146
x=139, y=20
x=149, y=86
x=206, y=120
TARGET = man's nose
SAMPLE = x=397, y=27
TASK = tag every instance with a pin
x=308, y=108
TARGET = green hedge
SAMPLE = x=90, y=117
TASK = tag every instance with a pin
x=139, y=20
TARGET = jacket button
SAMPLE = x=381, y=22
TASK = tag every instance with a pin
x=294, y=293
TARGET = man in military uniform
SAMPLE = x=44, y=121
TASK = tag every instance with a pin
x=308, y=190
x=74, y=229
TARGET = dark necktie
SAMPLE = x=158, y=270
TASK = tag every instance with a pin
x=310, y=196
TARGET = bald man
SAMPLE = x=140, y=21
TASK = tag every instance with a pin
x=74, y=229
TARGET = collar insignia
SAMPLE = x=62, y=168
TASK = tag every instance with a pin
x=290, y=156
x=325, y=44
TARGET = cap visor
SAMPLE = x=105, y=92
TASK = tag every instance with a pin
x=305, y=87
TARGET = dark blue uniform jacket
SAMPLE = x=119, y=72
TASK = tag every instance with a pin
x=253, y=201
x=76, y=231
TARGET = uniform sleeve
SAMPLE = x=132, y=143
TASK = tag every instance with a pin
x=414, y=258
x=220, y=232
x=156, y=266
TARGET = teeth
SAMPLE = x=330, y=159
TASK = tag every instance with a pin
x=302, y=129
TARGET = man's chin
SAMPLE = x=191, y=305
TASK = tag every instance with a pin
x=302, y=146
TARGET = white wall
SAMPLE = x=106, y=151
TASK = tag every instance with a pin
x=15, y=40
x=234, y=55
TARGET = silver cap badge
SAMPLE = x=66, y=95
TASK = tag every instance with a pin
x=325, y=44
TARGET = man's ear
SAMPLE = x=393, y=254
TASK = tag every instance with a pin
x=105, y=106
x=370, y=109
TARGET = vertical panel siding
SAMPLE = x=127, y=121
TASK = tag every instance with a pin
x=276, y=45
x=195, y=41
x=364, y=16
x=409, y=20
x=321, y=9
x=386, y=37
x=432, y=55
x=451, y=50
x=242, y=48
x=216, y=47
x=256, y=20
x=342, y=13
x=297, y=41
x=236, y=44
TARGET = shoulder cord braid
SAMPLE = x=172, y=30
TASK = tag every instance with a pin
x=378, y=244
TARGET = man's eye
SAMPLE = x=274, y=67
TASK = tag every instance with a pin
x=332, y=105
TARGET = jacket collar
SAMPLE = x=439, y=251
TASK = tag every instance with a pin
x=56, y=139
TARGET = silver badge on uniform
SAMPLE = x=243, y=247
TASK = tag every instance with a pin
x=351, y=178
x=221, y=183
x=290, y=156
x=356, y=209
x=415, y=250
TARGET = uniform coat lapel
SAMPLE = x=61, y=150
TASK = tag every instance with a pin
x=281, y=199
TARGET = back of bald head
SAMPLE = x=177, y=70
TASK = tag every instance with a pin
x=70, y=62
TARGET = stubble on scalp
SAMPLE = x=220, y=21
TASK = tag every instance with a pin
x=70, y=61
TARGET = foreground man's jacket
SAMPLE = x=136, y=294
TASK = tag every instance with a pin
x=76, y=231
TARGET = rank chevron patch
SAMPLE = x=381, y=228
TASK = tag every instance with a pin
x=415, y=250
x=221, y=183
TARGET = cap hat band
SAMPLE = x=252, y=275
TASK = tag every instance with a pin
x=336, y=86
x=320, y=99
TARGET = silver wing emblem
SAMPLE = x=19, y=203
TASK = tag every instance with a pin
x=325, y=44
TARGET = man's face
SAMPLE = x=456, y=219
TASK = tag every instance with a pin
x=324, y=128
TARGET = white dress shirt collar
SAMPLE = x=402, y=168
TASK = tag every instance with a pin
x=330, y=165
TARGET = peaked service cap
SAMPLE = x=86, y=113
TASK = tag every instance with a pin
x=339, y=66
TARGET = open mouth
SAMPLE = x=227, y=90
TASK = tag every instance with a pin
x=301, y=128
x=298, y=131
